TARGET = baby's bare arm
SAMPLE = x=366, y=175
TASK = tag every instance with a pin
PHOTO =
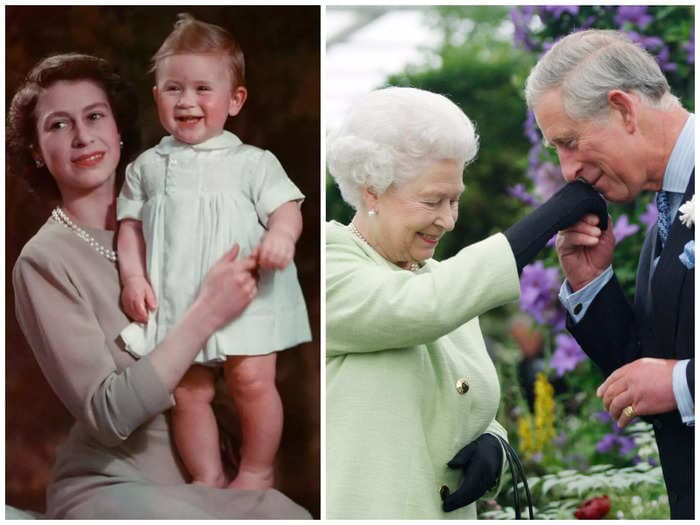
x=137, y=295
x=286, y=220
x=276, y=250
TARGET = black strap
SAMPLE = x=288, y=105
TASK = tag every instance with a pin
x=516, y=472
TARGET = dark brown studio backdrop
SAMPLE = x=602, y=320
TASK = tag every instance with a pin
x=281, y=45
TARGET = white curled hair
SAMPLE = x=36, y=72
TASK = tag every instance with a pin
x=588, y=65
x=389, y=134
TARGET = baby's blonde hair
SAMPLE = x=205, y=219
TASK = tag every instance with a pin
x=193, y=36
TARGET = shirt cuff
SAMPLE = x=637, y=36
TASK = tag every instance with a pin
x=681, y=392
x=577, y=303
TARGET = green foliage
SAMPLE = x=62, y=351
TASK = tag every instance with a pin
x=636, y=491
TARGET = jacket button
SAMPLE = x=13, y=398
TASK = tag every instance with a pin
x=444, y=492
x=578, y=308
x=462, y=386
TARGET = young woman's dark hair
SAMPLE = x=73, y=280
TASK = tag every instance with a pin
x=21, y=120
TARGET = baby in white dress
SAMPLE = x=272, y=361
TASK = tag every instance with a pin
x=186, y=203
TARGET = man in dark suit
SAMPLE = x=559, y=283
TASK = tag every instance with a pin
x=605, y=106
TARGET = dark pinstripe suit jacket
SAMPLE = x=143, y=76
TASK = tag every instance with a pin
x=659, y=324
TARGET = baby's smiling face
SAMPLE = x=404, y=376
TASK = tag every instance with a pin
x=195, y=95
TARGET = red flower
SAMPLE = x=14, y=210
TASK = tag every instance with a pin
x=593, y=509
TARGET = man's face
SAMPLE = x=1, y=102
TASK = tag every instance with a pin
x=608, y=155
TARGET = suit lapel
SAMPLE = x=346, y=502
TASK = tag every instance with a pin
x=669, y=278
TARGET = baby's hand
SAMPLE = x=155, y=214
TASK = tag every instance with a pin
x=138, y=298
x=275, y=251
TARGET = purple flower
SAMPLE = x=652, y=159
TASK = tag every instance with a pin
x=555, y=11
x=606, y=443
x=656, y=46
x=650, y=43
x=521, y=18
x=548, y=180
x=567, y=355
x=623, y=229
x=557, y=317
x=635, y=14
x=531, y=128
x=588, y=22
x=663, y=59
x=519, y=192
x=533, y=160
x=603, y=416
x=689, y=46
x=539, y=286
x=624, y=444
x=650, y=215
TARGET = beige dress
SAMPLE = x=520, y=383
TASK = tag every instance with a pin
x=119, y=460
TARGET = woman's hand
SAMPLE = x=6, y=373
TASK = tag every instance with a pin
x=138, y=298
x=481, y=461
x=275, y=251
x=564, y=209
x=229, y=287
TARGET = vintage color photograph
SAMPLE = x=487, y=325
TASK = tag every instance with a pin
x=162, y=262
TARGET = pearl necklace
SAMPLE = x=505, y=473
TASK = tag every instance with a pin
x=413, y=267
x=60, y=217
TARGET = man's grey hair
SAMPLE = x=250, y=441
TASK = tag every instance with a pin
x=589, y=64
x=390, y=134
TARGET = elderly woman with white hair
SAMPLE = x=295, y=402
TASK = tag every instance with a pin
x=411, y=392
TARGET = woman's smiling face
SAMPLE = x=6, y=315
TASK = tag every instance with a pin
x=412, y=216
x=77, y=136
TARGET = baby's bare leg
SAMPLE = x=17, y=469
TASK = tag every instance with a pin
x=251, y=381
x=195, y=429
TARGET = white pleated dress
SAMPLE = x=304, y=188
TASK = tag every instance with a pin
x=195, y=202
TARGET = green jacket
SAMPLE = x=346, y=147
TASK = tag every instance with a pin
x=397, y=342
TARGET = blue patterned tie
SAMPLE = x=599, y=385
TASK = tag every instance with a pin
x=664, y=205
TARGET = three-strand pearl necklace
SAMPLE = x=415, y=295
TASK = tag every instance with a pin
x=60, y=217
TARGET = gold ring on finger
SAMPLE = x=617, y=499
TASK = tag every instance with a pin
x=629, y=411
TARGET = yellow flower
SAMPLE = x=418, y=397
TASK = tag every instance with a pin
x=535, y=436
x=544, y=411
x=527, y=446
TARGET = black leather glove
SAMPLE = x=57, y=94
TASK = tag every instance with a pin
x=565, y=208
x=481, y=461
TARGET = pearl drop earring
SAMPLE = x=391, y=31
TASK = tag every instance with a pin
x=372, y=213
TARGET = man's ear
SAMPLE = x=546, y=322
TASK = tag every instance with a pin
x=238, y=98
x=626, y=105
